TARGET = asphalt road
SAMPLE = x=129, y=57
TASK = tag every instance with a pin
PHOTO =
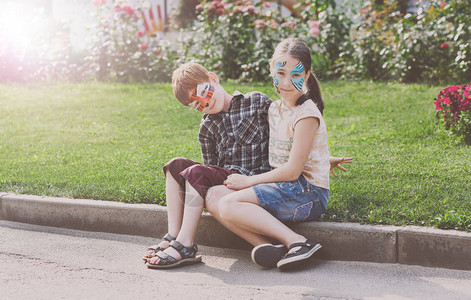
x=52, y=263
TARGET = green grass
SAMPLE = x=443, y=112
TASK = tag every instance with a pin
x=110, y=141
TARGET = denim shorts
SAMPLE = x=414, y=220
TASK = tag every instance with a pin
x=293, y=201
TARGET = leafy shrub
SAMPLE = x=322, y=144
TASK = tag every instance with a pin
x=453, y=104
x=429, y=46
x=124, y=52
x=239, y=37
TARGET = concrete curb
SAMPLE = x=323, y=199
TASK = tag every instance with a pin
x=341, y=241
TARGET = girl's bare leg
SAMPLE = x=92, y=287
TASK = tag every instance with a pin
x=243, y=208
x=213, y=199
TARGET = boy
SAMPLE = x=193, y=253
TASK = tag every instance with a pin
x=233, y=138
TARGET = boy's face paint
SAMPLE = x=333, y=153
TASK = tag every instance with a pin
x=202, y=95
x=297, y=77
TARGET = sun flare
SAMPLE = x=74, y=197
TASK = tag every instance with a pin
x=21, y=25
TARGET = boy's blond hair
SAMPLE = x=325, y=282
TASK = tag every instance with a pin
x=186, y=78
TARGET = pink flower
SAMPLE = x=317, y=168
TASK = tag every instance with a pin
x=442, y=4
x=140, y=33
x=199, y=8
x=251, y=9
x=239, y=9
x=143, y=47
x=266, y=4
x=290, y=24
x=314, y=28
x=445, y=46
x=273, y=24
x=219, y=11
x=98, y=2
x=260, y=24
x=127, y=8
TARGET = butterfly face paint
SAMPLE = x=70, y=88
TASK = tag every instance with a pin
x=296, y=76
x=276, y=79
x=202, y=95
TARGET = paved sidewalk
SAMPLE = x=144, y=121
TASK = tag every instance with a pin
x=40, y=262
x=341, y=241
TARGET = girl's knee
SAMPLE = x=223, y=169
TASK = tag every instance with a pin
x=227, y=206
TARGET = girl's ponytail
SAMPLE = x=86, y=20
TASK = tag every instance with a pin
x=314, y=92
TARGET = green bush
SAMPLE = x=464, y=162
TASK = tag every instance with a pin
x=239, y=37
x=122, y=52
x=430, y=46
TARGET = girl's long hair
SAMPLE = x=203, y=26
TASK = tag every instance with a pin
x=298, y=49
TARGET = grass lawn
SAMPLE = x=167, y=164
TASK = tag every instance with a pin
x=110, y=141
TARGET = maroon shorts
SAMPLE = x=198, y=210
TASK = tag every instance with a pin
x=201, y=177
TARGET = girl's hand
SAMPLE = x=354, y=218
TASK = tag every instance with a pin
x=336, y=161
x=237, y=182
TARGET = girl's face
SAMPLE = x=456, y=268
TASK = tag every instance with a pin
x=289, y=76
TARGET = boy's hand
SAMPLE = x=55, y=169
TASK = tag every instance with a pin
x=336, y=161
x=237, y=182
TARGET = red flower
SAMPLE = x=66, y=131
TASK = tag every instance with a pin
x=466, y=91
x=445, y=46
x=140, y=33
x=442, y=4
x=143, y=47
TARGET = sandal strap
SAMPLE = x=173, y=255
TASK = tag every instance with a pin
x=185, y=252
x=168, y=237
x=167, y=259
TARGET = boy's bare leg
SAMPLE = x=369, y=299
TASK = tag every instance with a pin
x=243, y=208
x=192, y=210
x=213, y=199
x=175, y=204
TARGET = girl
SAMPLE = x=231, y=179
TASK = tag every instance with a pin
x=297, y=189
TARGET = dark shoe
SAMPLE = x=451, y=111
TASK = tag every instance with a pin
x=268, y=255
x=152, y=250
x=308, y=248
x=166, y=261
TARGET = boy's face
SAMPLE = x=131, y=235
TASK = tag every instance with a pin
x=207, y=98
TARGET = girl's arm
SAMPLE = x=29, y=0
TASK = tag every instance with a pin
x=289, y=171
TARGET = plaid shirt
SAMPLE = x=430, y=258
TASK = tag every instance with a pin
x=238, y=139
